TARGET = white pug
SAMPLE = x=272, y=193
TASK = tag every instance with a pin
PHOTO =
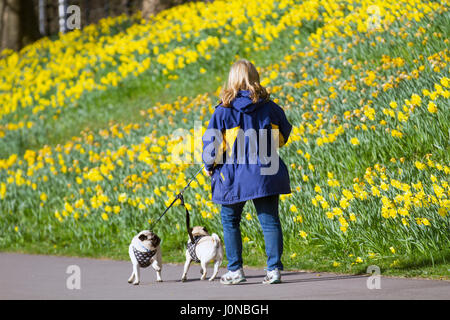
x=205, y=248
x=144, y=250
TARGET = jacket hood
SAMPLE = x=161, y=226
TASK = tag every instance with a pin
x=243, y=102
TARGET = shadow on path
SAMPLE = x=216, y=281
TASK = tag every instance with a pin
x=318, y=278
x=327, y=278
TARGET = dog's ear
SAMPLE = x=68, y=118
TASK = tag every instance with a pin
x=204, y=229
x=142, y=237
x=155, y=240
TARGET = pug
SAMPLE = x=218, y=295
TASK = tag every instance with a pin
x=144, y=250
x=204, y=249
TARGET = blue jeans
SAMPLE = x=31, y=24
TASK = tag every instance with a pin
x=267, y=211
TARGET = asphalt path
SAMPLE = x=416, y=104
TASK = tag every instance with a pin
x=24, y=276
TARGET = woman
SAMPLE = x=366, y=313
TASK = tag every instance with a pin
x=239, y=151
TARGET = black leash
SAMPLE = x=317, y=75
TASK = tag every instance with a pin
x=180, y=197
x=189, y=231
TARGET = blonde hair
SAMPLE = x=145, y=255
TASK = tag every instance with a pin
x=243, y=76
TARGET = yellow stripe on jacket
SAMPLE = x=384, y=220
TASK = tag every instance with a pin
x=277, y=134
x=229, y=137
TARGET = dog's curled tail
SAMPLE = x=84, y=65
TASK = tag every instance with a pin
x=217, y=240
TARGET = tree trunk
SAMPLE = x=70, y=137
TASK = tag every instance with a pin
x=10, y=19
x=153, y=7
x=29, y=23
x=19, y=24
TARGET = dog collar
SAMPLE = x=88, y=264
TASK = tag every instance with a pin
x=144, y=248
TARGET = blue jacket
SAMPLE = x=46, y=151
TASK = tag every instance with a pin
x=238, y=165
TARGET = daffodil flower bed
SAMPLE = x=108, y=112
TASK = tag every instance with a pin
x=364, y=83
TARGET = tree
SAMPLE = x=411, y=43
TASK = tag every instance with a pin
x=18, y=24
x=152, y=7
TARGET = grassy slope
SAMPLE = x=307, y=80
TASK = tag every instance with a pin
x=133, y=96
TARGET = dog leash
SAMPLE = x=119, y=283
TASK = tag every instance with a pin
x=180, y=197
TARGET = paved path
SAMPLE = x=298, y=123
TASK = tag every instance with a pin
x=44, y=277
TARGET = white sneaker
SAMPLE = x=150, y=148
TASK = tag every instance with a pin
x=233, y=277
x=272, y=277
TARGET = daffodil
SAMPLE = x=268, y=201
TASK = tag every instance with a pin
x=354, y=141
x=432, y=107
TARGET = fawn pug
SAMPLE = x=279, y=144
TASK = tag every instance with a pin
x=204, y=249
x=144, y=250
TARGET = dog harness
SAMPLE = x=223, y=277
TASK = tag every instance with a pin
x=144, y=258
x=191, y=248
